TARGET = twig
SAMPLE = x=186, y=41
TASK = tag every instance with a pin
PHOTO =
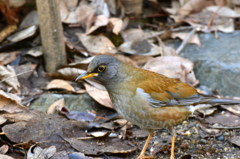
x=15, y=76
x=182, y=28
x=180, y=48
x=213, y=16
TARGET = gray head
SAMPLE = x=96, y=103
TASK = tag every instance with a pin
x=102, y=68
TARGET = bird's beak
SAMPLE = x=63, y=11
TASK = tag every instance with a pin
x=86, y=75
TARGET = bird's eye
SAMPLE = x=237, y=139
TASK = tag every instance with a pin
x=101, y=68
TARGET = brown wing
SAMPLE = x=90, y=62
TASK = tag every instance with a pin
x=164, y=91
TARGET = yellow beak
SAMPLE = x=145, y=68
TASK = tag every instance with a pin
x=86, y=75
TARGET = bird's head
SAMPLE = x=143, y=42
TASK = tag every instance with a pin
x=102, y=68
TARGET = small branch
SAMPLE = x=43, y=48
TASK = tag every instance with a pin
x=183, y=44
x=15, y=76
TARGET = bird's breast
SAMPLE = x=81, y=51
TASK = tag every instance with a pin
x=135, y=108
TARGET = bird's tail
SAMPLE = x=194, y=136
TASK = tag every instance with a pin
x=219, y=101
x=214, y=102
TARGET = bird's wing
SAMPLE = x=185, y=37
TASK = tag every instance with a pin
x=169, y=92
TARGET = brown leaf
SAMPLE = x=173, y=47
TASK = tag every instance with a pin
x=67, y=73
x=53, y=107
x=6, y=58
x=173, y=67
x=182, y=35
x=57, y=83
x=9, y=104
x=223, y=11
x=97, y=44
x=38, y=152
x=5, y=157
x=4, y=149
x=76, y=115
x=8, y=75
x=101, y=96
x=139, y=47
x=84, y=15
x=191, y=6
x=117, y=24
x=226, y=119
x=100, y=21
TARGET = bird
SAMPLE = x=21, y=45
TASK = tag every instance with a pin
x=147, y=99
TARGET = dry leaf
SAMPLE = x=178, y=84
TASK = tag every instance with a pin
x=182, y=35
x=8, y=75
x=133, y=34
x=57, y=83
x=98, y=95
x=173, y=67
x=78, y=116
x=9, y=104
x=84, y=15
x=23, y=34
x=64, y=12
x=200, y=20
x=140, y=48
x=132, y=7
x=35, y=52
x=223, y=11
x=100, y=8
x=191, y=6
x=6, y=58
x=5, y=157
x=97, y=44
x=67, y=73
x=55, y=106
x=100, y=21
x=38, y=152
x=117, y=24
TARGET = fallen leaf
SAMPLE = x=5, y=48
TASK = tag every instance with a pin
x=225, y=119
x=235, y=140
x=100, y=21
x=85, y=16
x=4, y=149
x=132, y=7
x=6, y=58
x=182, y=35
x=97, y=44
x=223, y=11
x=23, y=34
x=144, y=48
x=78, y=155
x=98, y=133
x=191, y=6
x=53, y=107
x=35, y=52
x=58, y=83
x=5, y=157
x=9, y=104
x=66, y=73
x=8, y=75
x=232, y=108
x=101, y=96
x=63, y=9
x=117, y=24
x=174, y=67
x=76, y=115
x=100, y=7
x=38, y=152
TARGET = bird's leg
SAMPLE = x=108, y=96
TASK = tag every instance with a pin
x=173, y=132
x=142, y=154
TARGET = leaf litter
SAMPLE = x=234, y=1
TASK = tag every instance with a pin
x=106, y=27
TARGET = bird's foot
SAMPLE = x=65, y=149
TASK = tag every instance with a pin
x=172, y=157
x=144, y=157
